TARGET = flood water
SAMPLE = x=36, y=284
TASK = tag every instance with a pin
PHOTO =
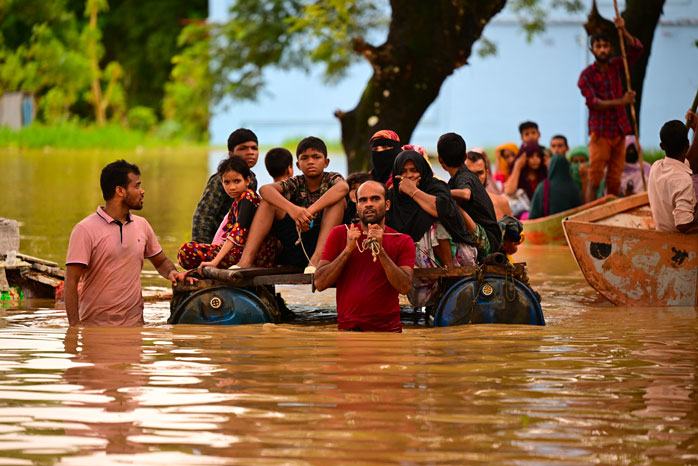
x=598, y=384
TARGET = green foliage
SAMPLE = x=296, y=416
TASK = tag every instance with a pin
x=188, y=93
x=533, y=14
x=142, y=37
x=46, y=61
x=75, y=136
x=141, y=118
x=46, y=46
x=285, y=34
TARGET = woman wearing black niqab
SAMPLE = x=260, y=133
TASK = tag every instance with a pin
x=385, y=146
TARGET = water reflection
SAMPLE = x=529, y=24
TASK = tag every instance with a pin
x=595, y=387
x=104, y=363
x=599, y=384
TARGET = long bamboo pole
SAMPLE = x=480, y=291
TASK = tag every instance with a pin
x=632, y=106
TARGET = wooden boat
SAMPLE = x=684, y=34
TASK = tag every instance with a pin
x=497, y=293
x=548, y=230
x=625, y=259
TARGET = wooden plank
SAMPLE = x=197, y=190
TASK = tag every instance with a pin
x=55, y=271
x=286, y=279
x=239, y=275
x=9, y=235
x=37, y=260
x=43, y=278
x=519, y=269
x=291, y=276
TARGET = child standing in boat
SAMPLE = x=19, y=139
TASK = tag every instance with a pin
x=235, y=177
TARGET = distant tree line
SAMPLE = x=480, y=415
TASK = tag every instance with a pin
x=140, y=62
x=100, y=60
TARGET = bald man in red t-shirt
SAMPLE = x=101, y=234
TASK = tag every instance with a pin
x=367, y=289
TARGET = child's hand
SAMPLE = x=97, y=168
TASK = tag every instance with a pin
x=206, y=264
x=302, y=217
x=520, y=162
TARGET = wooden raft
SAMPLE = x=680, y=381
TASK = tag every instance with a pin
x=284, y=275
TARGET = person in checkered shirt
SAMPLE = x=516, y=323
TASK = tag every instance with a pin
x=602, y=88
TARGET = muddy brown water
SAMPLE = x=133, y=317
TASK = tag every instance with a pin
x=598, y=384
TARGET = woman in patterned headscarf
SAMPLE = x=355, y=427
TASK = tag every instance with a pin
x=385, y=146
x=504, y=160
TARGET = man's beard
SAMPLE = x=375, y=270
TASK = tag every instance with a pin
x=136, y=205
x=378, y=217
x=603, y=60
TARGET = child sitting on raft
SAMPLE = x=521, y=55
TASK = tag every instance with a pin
x=421, y=206
x=304, y=207
x=279, y=163
x=235, y=177
x=470, y=195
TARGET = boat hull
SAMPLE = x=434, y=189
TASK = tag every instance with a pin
x=627, y=261
x=548, y=230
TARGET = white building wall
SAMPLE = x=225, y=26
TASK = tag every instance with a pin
x=486, y=100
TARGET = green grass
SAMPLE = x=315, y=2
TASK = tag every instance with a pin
x=76, y=136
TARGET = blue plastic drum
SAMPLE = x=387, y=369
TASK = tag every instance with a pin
x=223, y=305
x=495, y=300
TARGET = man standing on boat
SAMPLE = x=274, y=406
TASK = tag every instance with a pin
x=215, y=203
x=108, y=248
x=601, y=86
x=370, y=263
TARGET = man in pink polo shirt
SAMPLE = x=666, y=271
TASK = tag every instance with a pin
x=107, y=249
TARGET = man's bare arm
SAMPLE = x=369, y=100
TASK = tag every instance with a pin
x=73, y=272
x=328, y=272
x=400, y=277
x=167, y=269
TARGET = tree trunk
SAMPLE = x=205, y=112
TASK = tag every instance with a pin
x=641, y=20
x=96, y=85
x=410, y=67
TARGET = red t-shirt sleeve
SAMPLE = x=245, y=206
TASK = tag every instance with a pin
x=79, y=247
x=406, y=253
x=335, y=244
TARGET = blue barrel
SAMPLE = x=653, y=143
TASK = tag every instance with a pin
x=495, y=299
x=222, y=305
